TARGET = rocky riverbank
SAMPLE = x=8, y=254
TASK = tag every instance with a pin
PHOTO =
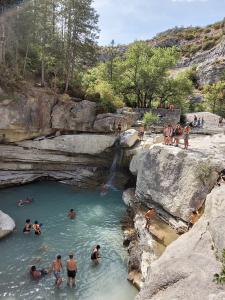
x=175, y=182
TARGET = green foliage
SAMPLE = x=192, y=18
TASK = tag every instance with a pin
x=150, y=118
x=215, y=97
x=208, y=45
x=220, y=278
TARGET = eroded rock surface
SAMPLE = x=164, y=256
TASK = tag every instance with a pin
x=178, y=180
x=186, y=269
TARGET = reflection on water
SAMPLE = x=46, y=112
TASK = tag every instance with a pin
x=97, y=222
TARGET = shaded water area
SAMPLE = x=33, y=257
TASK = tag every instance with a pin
x=97, y=222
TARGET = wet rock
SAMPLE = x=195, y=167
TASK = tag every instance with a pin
x=128, y=138
x=7, y=224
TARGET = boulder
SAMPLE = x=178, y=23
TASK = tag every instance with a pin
x=176, y=180
x=187, y=267
x=128, y=196
x=74, y=116
x=7, y=224
x=91, y=144
x=128, y=138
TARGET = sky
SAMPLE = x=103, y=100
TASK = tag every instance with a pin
x=127, y=20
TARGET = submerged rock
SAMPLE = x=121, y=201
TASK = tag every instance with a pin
x=7, y=224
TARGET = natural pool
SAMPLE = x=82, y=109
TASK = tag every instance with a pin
x=97, y=222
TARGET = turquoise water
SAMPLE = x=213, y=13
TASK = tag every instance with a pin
x=97, y=222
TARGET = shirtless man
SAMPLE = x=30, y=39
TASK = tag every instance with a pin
x=193, y=218
x=150, y=214
x=71, y=214
x=95, y=255
x=71, y=266
x=57, y=269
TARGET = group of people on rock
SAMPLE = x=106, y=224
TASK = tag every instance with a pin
x=57, y=266
x=197, y=122
x=173, y=134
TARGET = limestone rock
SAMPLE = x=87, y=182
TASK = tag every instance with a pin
x=75, y=116
x=178, y=180
x=128, y=138
x=128, y=196
x=186, y=268
x=7, y=224
x=91, y=144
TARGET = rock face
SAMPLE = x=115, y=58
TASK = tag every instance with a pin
x=177, y=180
x=129, y=138
x=74, y=159
x=7, y=225
x=91, y=144
x=75, y=116
x=186, y=269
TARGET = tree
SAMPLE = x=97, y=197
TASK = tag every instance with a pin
x=215, y=97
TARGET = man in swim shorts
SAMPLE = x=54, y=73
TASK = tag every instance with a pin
x=71, y=266
x=27, y=227
x=150, y=214
x=57, y=269
x=71, y=214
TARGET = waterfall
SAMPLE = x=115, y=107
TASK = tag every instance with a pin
x=114, y=167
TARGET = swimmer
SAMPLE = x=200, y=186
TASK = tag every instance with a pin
x=57, y=269
x=104, y=189
x=37, y=273
x=71, y=214
x=37, y=228
x=95, y=255
x=27, y=226
x=24, y=202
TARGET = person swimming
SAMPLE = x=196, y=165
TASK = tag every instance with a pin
x=37, y=273
x=27, y=227
x=71, y=214
x=24, y=202
x=37, y=228
x=95, y=255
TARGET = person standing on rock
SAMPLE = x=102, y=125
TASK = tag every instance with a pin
x=193, y=218
x=178, y=131
x=168, y=133
x=119, y=128
x=150, y=214
x=186, y=136
x=220, y=124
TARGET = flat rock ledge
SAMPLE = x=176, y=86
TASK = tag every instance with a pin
x=7, y=224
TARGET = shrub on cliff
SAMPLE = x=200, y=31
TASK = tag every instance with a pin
x=215, y=97
x=150, y=118
x=220, y=278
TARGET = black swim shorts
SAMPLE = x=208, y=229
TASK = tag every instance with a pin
x=71, y=274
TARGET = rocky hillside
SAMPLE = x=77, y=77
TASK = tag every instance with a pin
x=202, y=47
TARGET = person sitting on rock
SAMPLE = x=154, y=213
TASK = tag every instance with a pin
x=150, y=214
x=193, y=218
x=71, y=214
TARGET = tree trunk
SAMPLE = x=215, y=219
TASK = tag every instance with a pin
x=25, y=60
x=2, y=41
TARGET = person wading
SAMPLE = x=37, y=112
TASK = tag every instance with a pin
x=71, y=266
x=71, y=214
x=95, y=255
x=27, y=226
x=37, y=228
x=57, y=269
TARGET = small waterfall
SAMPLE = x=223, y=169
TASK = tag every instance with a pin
x=114, y=167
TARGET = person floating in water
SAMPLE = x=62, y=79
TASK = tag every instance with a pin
x=71, y=266
x=150, y=214
x=95, y=255
x=24, y=202
x=57, y=269
x=27, y=227
x=37, y=273
x=71, y=214
x=37, y=228
x=104, y=189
